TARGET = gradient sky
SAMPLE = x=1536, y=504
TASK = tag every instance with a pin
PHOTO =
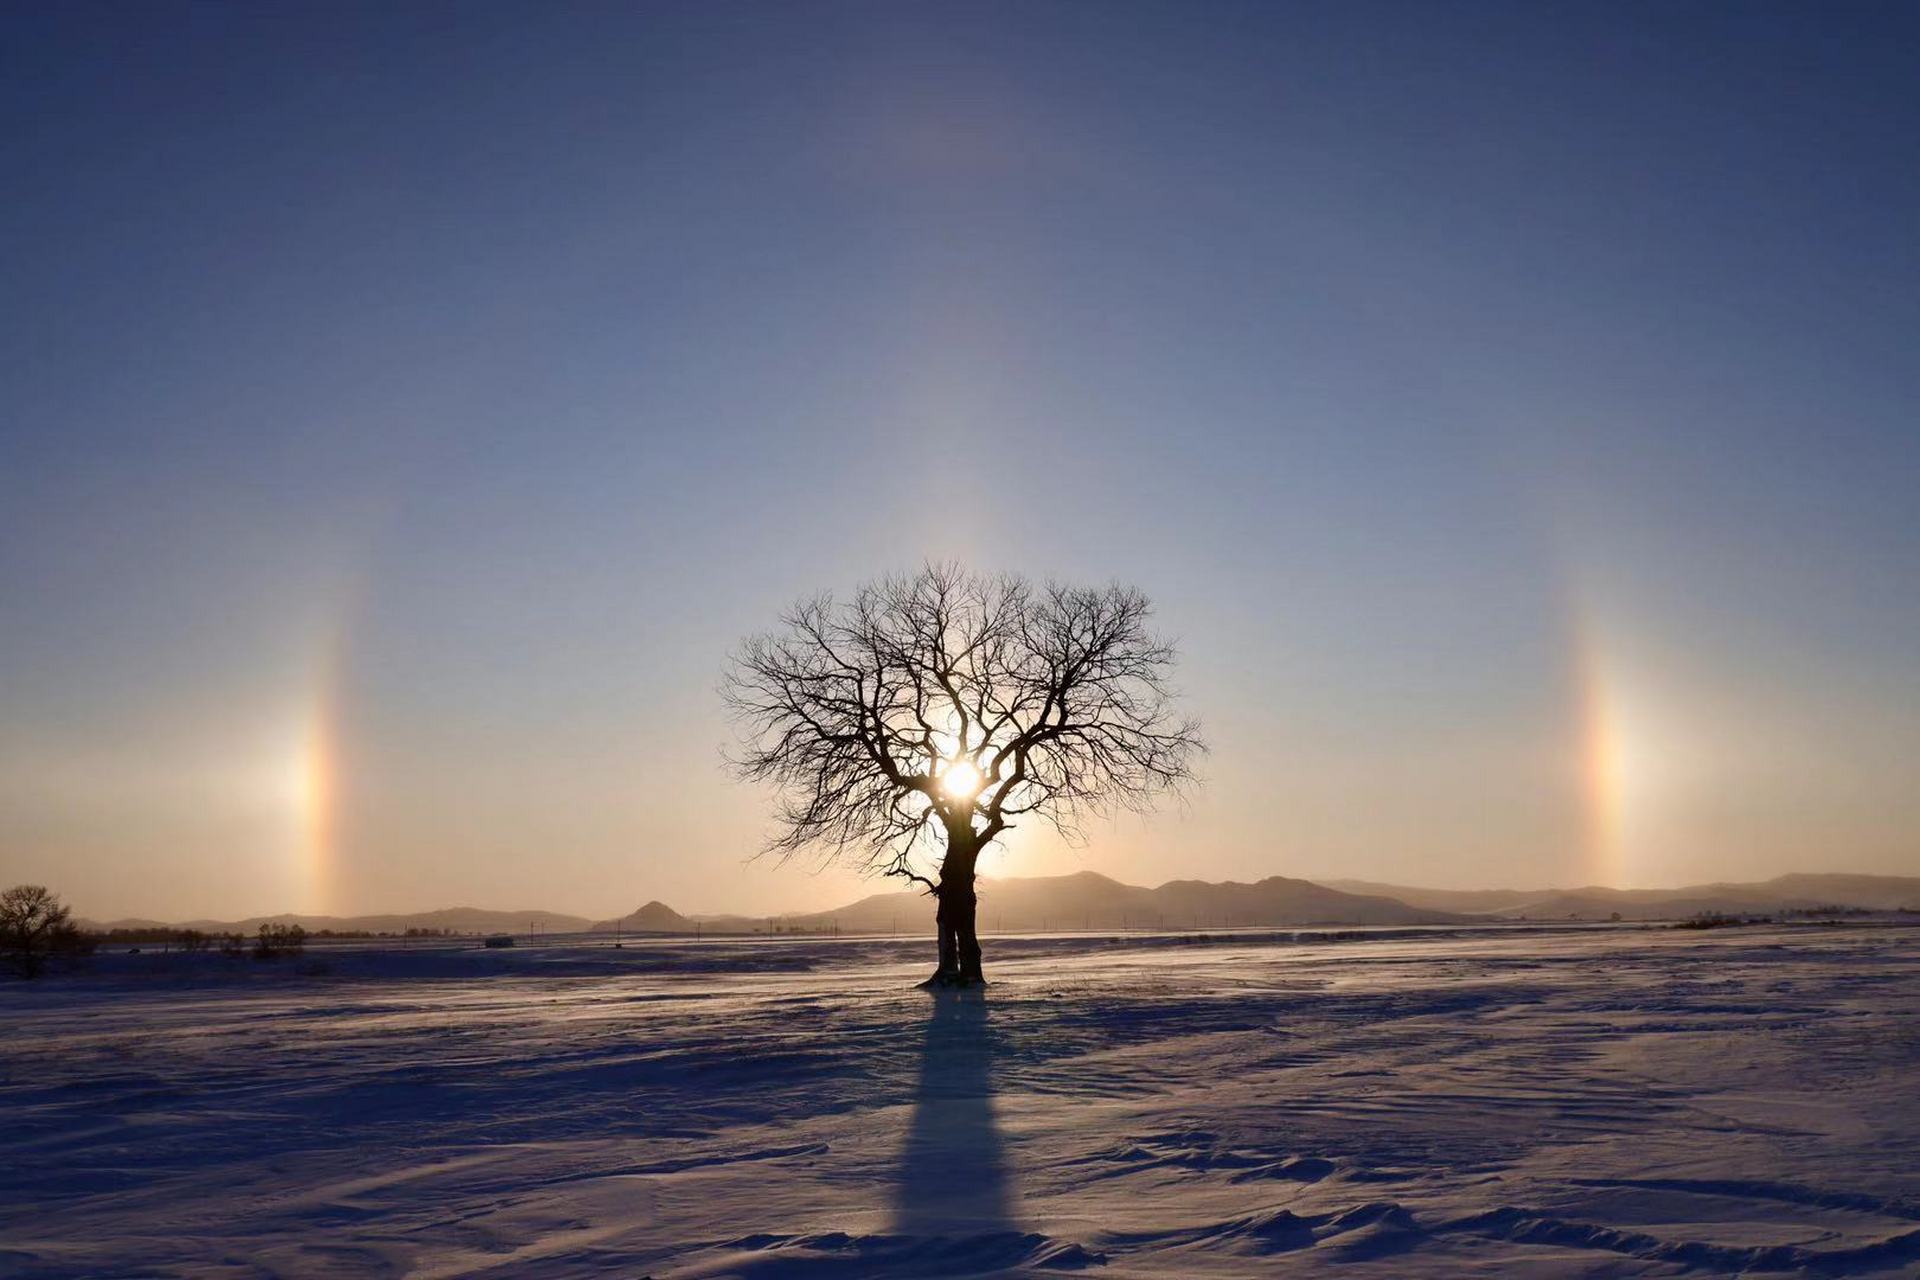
x=1514, y=411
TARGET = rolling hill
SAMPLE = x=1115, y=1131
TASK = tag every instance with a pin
x=1088, y=900
x=1085, y=900
x=1800, y=892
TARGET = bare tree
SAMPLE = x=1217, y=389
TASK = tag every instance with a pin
x=34, y=926
x=276, y=940
x=907, y=729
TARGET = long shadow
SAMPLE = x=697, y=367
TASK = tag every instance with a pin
x=953, y=1177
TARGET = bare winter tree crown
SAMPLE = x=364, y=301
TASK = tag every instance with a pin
x=950, y=703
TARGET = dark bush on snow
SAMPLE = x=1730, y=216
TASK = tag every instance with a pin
x=1716, y=920
x=276, y=940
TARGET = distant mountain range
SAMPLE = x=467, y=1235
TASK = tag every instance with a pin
x=452, y=919
x=1082, y=901
x=1783, y=893
x=1091, y=901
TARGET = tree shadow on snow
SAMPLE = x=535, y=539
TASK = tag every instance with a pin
x=953, y=1177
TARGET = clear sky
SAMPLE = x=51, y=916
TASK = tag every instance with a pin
x=1514, y=411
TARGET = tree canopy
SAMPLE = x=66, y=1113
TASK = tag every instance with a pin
x=34, y=925
x=950, y=704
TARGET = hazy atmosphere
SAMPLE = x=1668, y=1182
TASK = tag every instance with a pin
x=959, y=641
x=403, y=413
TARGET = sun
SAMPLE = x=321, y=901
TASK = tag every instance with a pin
x=961, y=780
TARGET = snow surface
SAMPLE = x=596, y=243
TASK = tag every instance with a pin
x=1500, y=1101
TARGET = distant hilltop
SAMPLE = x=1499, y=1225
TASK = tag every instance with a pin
x=1800, y=892
x=1088, y=900
x=1083, y=901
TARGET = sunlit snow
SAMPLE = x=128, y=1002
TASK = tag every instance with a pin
x=1603, y=1101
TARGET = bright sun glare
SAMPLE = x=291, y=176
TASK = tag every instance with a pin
x=961, y=780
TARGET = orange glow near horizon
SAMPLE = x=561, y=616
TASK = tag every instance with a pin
x=316, y=786
x=313, y=809
x=1605, y=791
x=1606, y=760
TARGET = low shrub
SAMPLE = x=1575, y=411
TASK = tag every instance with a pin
x=276, y=940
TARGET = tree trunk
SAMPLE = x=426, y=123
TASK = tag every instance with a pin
x=955, y=916
x=949, y=940
x=969, y=938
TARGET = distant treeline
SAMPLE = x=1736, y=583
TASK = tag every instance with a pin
x=266, y=943
x=1723, y=920
x=198, y=940
x=1831, y=911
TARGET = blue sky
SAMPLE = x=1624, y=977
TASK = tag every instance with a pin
x=1512, y=409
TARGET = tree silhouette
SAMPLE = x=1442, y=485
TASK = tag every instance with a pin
x=908, y=728
x=34, y=926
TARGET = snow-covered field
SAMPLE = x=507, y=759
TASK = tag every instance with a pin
x=1587, y=1102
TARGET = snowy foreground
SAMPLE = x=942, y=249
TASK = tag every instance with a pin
x=1619, y=1102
